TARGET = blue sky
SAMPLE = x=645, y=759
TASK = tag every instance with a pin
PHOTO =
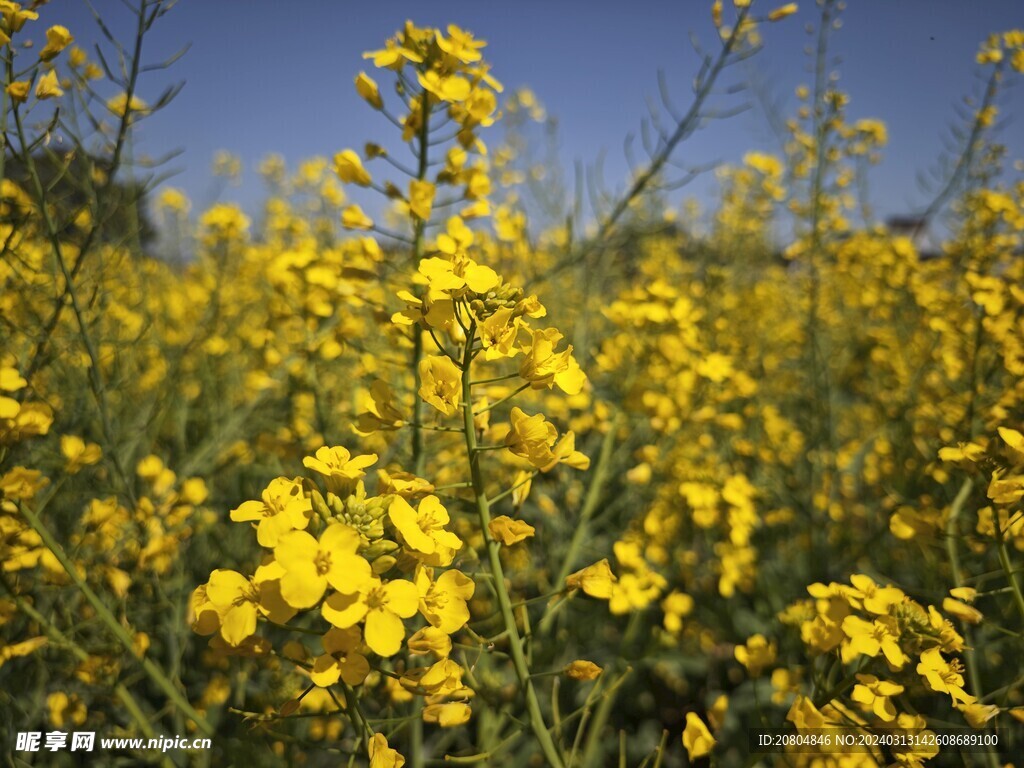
x=269, y=76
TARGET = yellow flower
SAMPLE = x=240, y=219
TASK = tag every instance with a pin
x=381, y=755
x=22, y=483
x=77, y=453
x=423, y=529
x=565, y=453
x=9, y=408
x=962, y=452
x=430, y=640
x=1006, y=490
x=508, y=531
x=481, y=105
x=235, y=600
x=875, y=599
x=29, y=418
x=354, y=218
x=874, y=696
x=696, y=737
x=11, y=380
x=341, y=659
x=443, y=602
x=367, y=89
x=498, y=334
x=341, y=469
x=870, y=638
x=120, y=105
x=404, y=484
x=1013, y=438
x=445, y=87
x=283, y=508
x=77, y=57
x=533, y=438
x=943, y=676
x=442, y=678
x=457, y=237
x=977, y=714
x=717, y=711
x=582, y=670
x=421, y=198
x=66, y=709
x=448, y=714
x=48, y=87
x=782, y=12
x=446, y=275
x=521, y=487
x=15, y=16
x=962, y=611
x=172, y=199
x=392, y=56
x=805, y=716
x=382, y=606
x=542, y=366
x=460, y=44
x=349, y=167
x=380, y=412
x=967, y=594
x=24, y=648
x=675, y=606
x=757, y=654
x=440, y=383
x=310, y=565
x=194, y=491
x=57, y=39
x=595, y=580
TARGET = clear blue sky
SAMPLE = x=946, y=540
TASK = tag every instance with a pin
x=271, y=76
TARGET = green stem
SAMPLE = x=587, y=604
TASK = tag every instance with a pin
x=55, y=634
x=581, y=531
x=496, y=379
x=419, y=227
x=417, y=754
x=1007, y=565
x=952, y=552
x=505, y=399
x=537, y=723
x=604, y=710
x=117, y=630
x=509, y=491
x=95, y=377
x=483, y=756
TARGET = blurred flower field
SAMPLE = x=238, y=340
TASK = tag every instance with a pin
x=463, y=477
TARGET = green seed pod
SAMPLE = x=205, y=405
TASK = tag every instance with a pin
x=319, y=505
x=366, y=515
x=336, y=504
x=379, y=548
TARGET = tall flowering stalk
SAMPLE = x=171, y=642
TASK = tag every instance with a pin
x=373, y=572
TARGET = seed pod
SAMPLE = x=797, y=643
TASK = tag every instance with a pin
x=379, y=548
x=336, y=504
x=366, y=515
x=320, y=506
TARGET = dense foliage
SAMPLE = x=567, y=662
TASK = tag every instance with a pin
x=471, y=482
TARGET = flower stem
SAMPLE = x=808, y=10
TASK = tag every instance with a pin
x=116, y=629
x=537, y=723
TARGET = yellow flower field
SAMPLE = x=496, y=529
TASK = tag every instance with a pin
x=426, y=483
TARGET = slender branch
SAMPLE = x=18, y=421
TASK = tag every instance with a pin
x=113, y=625
x=537, y=723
